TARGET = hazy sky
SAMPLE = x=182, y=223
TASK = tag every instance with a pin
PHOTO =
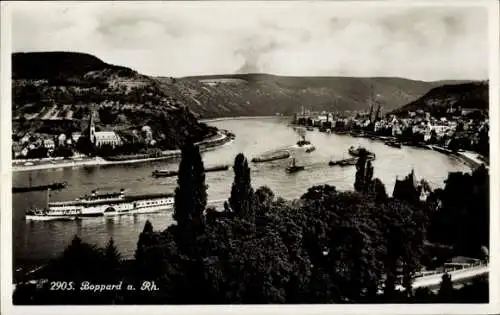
x=287, y=38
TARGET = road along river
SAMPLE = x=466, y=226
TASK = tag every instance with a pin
x=38, y=241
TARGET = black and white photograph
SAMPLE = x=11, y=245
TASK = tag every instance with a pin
x=249, y=153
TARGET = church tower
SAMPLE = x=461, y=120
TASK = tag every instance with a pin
x=91, y=129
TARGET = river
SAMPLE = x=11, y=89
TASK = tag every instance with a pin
x=39, y=241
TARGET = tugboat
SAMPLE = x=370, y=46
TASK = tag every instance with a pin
x=310, y=149
x=302, y=142
x=293, y=168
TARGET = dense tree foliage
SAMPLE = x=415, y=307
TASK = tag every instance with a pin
x=364, y=172
x=461, y=216
x=241, y=192
x=191, y=192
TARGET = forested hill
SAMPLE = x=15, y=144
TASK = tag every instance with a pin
x=265, y=94
x=464, y=95
x=54, y=92
x=52, y=65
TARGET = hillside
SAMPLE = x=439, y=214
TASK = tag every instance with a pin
x=54, y=92
x=464, y=95
x=264, y=94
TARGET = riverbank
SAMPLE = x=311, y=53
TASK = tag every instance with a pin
x=221, y=139
x=240, y=118
x=470, y=158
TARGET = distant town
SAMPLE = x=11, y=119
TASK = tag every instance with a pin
x=450, y=130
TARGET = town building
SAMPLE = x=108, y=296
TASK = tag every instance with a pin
x=49, y=144
x=61, y=140
x=25, y=139
x=75, y=136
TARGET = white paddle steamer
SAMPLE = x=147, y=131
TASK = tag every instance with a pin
x=109, y=204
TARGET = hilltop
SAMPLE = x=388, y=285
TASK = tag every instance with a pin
x=54, y=92
x=464, y=95
x=57, y=64
x=266, y=94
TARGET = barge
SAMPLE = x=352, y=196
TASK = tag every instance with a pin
x=53, y=186
x=272, y=157
x=344, y=162
x=167, y=173
x=393, y=144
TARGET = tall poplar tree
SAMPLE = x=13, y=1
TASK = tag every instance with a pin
x=241, y=192
x=364, y=173
x=191, y=192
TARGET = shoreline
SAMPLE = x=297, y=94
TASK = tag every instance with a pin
x=205, y=145
x=206, y=120
x=469, y=158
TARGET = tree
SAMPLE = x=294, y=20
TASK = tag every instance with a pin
x=85, y=146
x=483, y=145
x=78, y=262
x=112, y=256
x=111, y=270
x=241, y=192
x=446, y=289
x=464, y=206
x=364, y=172
x=407, y=189
x=344, y=243
x=264, y=198
x=191, y=192
x=403, y=229
x=378, y=190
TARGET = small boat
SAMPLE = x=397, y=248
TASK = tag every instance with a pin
x=310, y=129
x=310, y=149
x=393, y=144
x=164, y=173
x=167, y=173
x=357, y=134
x=217, y=168
x=293, y=168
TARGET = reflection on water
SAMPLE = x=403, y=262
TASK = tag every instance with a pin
x=42, y=240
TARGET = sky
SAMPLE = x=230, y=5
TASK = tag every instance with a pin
x=283, y=38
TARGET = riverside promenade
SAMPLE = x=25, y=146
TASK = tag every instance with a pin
x=220, y=139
